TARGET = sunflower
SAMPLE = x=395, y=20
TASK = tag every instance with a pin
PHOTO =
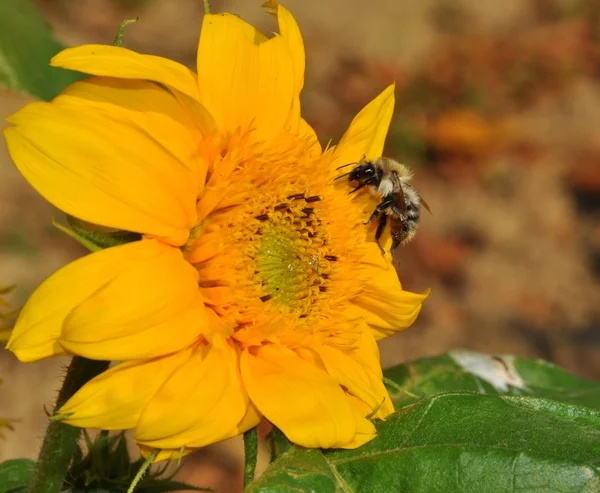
x=255, y=289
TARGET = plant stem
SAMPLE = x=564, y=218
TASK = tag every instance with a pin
x=60, y=440
x=250, y=455
x=143, y=470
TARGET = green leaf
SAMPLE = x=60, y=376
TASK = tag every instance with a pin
x=167, y=486
x=14, y=474
x=277, y=443
x=26, y=47
x=457, y=442
x=90, y=491
x=157, y=487
x=299, y=470
x=493, y=375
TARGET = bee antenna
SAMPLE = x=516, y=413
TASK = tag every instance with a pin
x=345, y=165
x=342, y=176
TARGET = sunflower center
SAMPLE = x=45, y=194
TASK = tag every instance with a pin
x=278, y=246
x=292, y=264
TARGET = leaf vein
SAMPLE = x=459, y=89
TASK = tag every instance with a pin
x=339, y=479
x=369, y=455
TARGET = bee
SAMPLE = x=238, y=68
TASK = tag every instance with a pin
x=400, y=205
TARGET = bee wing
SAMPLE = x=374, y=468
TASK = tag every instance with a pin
x=425, y=204
x=399, y=197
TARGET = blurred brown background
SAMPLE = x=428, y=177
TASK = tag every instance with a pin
x=498, y=113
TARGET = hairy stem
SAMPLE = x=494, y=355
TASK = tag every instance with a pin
x=60, y=440
x=250, y=455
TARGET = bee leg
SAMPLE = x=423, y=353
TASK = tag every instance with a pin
x=373, y=217
x=379, y=231
x=399, y=237
x=370, y=181
x=383, y=205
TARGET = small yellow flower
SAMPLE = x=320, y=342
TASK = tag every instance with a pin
x=256, y=289
x=5, y=316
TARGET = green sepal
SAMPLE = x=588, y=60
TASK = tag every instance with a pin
x=58, y=417
x=107, y=466
x=121, y=32
x=92, y=247
x=95, y=239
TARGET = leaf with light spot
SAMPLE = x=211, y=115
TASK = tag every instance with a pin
x=495, y=375
x=457, y=442
x=510, y=433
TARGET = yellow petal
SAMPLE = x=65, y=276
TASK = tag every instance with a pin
x=166, y=454
x=367, y=132
x=176, y=121
x=245, y=79
x=66, y=299
x=148, y=309
x=366, y=351
x=250, y=420
x=201, y=403
x=290, y=32
x=114, y=154
x=355, y=374
x=114, y=61
x=309, y=134
x=365, y=430
x=301, y=400
x=115, y=399
x=382, y=302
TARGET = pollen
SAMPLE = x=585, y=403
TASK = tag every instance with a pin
x=288, y=258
